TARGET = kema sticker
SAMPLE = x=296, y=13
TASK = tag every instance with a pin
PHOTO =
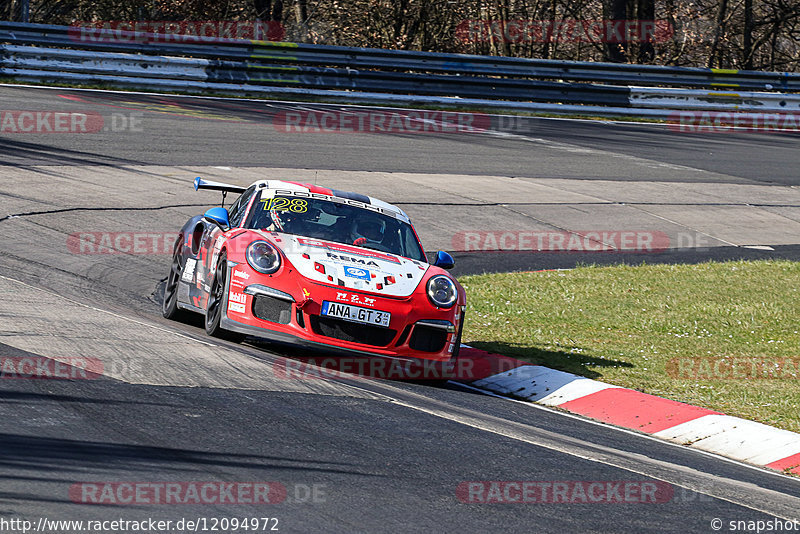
x=356, y=272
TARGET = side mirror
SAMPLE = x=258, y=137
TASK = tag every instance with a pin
x=218, y=216
x=444, y=260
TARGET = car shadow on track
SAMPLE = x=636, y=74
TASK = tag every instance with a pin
x=307, y=363
x=570, y=362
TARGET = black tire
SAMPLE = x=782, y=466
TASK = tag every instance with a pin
x=169, y=306
x=442, y=382
x=456, y=349
x=457, y=344
x=216, y=303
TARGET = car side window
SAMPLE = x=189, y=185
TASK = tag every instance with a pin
x=234, y=208
x=238, y=208
x=410, y=244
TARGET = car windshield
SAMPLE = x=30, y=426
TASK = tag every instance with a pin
x=335, y=220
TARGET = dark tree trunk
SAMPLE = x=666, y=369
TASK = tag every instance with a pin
x=721, y=14
x=646, y=14
x=400, y=10
x=277, y=11
x=502, y=12
x=553, y=16
x=615, y=10
x=269, y=10
x=263, y=9
x=413, y=29
x=748, y=34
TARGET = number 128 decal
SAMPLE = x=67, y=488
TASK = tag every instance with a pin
x=297, y=205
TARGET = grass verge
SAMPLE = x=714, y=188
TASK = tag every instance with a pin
x=719, y=335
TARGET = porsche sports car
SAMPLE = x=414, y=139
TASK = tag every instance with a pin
x=317, y=267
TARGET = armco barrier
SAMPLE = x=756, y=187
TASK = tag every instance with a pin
x=377, y=76
x=650, y=97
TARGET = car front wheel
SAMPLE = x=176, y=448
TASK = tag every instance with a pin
x=216, y=303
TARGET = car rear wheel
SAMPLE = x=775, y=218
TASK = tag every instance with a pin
x=216, y=303
x=169, y=307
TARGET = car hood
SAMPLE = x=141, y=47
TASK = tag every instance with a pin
x=349, y=266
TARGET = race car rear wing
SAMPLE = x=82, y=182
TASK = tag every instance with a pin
x=199, y=183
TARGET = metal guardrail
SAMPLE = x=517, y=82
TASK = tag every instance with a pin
x=35, y=52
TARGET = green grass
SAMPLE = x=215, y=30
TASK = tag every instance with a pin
x=624, y=324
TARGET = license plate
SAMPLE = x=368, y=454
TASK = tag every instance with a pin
x=355, y=314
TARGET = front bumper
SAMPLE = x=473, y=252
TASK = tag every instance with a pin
x=290, y=313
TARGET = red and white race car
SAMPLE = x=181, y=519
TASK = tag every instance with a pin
x=317, y=267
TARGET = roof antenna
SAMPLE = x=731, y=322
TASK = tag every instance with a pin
x=315, y=176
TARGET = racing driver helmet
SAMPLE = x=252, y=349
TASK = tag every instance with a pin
x=367, y=230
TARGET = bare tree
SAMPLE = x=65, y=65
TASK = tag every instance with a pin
x=616, y=10
x=747, y=41
x=760, y=34
x=718, y=32
x=645, y=16
x=269, y=10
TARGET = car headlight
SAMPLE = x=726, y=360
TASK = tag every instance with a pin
x=442, y=291
x=263, y=257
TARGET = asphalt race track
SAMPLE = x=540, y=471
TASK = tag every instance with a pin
x=174, y=406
